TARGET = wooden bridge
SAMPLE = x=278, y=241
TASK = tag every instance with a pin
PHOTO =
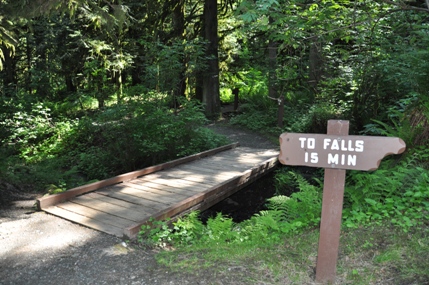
x=120, y=205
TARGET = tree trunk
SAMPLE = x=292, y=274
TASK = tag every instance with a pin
x=178, y=32
x=29, y=54
x=315, y=66
x=211, y=95
x=41, y=64
x=10, y=78
x=199, y=81
x=100, y=103
x=70, y=87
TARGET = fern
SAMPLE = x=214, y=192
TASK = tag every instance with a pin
x=220, y=229
x=269, y=219
x=265, y=225
x=397, y=193
x=304, y=205
x=398, y=126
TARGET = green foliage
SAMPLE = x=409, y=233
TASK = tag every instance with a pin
x=98, y=85
x=256, y=111
x=48, y=175
x=118, y=139
x=312, y=121
x=154, y=233
x=397, y=194
x=221, y=229
x=284, y=181
x=34, y=135
x=255, y=118
x=302, y=208
x=408, y=120
x=135, y=135
x=407, y=64
x=369, y=255
x=253, y=86
x=164, y=69
x=93, y=162
x=298, y=117
x=203, y=139
x=226, y=95
x=188, y=230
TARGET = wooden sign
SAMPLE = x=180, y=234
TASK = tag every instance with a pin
x=341, y=152
x=335, y=152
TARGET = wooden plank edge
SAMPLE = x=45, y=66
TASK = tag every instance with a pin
x=52, y=200
x=209, y=197
x=84, y=221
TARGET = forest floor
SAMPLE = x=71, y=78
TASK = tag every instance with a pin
x=38, y=248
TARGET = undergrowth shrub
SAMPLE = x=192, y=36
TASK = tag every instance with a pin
x=256, y=117
x=398, y=191
x=284, y=181
x=46, y=175
x=189, y=230
x=300, y=118
x=398, y=194
x=399, y=123
x=34, y=135
x=314, y=120
x=303, y=206
x=136, y=135
x=31, y=141
x=60, y=153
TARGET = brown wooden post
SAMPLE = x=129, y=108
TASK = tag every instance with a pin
x=332, y=207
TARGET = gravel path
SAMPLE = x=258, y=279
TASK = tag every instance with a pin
x=38, y=248
x=246, y=138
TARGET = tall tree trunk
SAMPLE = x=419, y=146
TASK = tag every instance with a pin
x=10, y=78
x=178, y=34
x=41, y=64
x=29, y=54
x=211, y=94
x=315, y=66
x=199, y=86
x=136, y=69
x=199, y=81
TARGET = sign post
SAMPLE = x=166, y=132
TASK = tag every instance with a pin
x=336, y=152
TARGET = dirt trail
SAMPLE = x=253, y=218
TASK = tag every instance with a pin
x=38, y=248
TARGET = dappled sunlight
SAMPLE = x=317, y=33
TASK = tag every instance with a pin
x=43, y=249
x=52, y=240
